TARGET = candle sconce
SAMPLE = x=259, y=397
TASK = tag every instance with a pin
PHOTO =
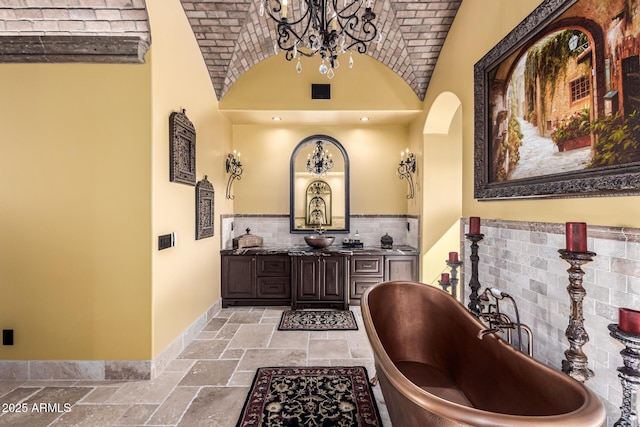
x=234, y=169
x=406, y=169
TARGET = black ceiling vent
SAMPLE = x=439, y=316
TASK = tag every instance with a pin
x=320, y=91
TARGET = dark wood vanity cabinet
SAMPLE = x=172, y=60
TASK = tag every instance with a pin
x=319, y=281
x=324, y=279
x=401, y=267
x=367, y=270
x=256, y=280
x=364, y=271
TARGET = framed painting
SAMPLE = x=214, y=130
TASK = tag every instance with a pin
x=182, y=149
x=557, y=104
x=204, y=208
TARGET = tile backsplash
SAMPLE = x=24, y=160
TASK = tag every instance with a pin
x=274, y=229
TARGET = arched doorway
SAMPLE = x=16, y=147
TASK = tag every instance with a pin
x=442, y=185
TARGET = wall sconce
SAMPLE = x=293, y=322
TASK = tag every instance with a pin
x=406, y=170
x=234, y=168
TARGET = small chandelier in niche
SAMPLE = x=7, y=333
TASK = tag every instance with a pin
x=325, y=27
x=320, y=161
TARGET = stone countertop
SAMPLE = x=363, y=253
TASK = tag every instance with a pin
x=304, y=250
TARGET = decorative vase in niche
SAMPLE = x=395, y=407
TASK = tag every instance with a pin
x=386, y=241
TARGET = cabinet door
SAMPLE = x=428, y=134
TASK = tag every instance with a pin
x=332, y=272
x=401, y=268
x=307, y=278
x=238, y=277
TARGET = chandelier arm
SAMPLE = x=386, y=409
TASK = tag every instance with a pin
x=274, y=13
x=351, y=29
x=345, y=12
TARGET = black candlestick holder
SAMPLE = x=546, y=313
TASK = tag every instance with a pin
x=575, y=364
x=629, y=375
x=474, y=283
x=454, y=265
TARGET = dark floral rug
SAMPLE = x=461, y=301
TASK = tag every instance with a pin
x=317, y=320
x=310, y=396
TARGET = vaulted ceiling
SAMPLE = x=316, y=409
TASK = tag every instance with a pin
x=233, y=37
x=231, y=34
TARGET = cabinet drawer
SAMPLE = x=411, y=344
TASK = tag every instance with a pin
x=357, y=286
x=366, y=265
x=270, y=265
x=274, y=287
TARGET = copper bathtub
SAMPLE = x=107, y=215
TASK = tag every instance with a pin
x=435, y=371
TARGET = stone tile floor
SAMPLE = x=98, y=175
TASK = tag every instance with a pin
x=205, y=386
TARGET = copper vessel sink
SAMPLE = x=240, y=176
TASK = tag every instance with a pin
x=319, y=241
x=435, y=371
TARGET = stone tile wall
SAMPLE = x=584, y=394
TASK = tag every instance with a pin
x=274, y=229
x=521, y=258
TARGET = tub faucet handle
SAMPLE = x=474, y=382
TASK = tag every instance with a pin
x=488, y=331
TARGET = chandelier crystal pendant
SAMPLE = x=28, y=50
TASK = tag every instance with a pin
x=320, y=161
x=325, y=27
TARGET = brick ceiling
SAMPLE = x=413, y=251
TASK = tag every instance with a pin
x=230, y=33
x=233, y=37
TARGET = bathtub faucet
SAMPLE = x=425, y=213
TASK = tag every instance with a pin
x=501, y=322
x=487, y=331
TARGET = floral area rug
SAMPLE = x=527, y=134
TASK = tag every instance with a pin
x=317, y=320
x=310, y=396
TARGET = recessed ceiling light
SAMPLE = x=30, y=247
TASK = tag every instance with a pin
x=364, y=119
x=276, y=118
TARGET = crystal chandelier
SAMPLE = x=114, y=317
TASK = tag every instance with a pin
x=319, y=161
x=327, y=27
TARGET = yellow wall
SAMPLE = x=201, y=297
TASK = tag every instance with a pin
x=478, y=26
x=274, y=84
x=86, y=192
x=75, y=276
x=374, y=154
x=442, y=204
x=186, y=278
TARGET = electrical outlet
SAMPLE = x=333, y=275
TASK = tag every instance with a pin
x=7, y=337
x=165, y=241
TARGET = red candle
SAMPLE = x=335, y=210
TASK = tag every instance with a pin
x=576, y=236
x=453, y=256
x=629, y=320
x=444, y=277
x=474, y=225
